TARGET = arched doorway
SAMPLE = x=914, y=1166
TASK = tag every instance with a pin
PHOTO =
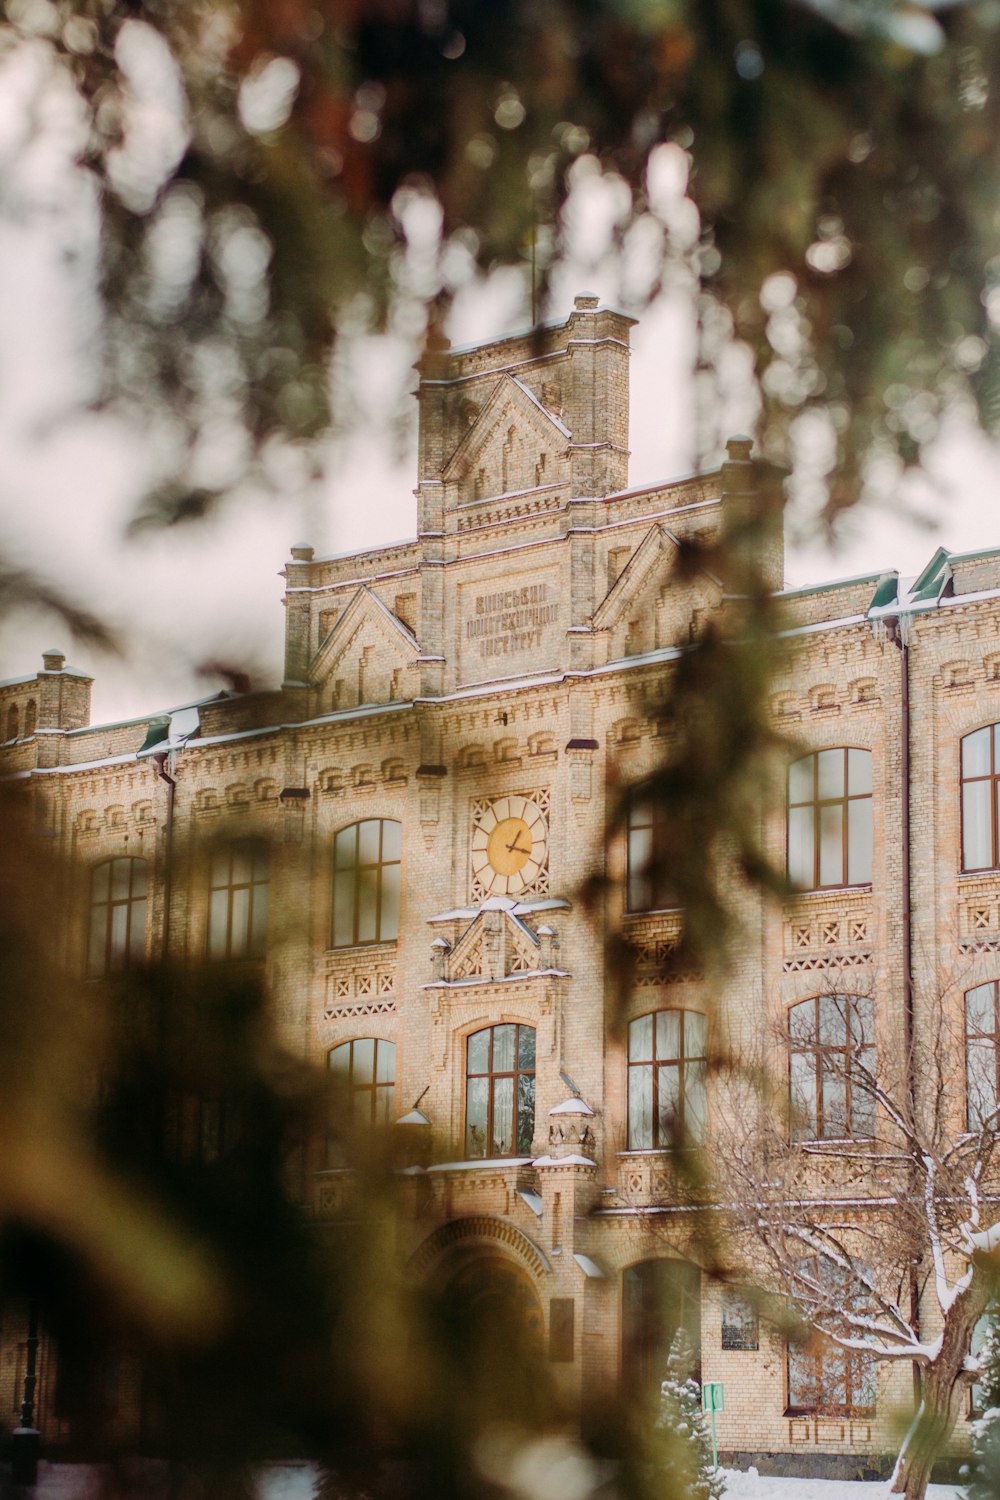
x=492, y=1319
x=659, y=1297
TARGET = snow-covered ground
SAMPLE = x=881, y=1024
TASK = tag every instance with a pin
x=297, y=1482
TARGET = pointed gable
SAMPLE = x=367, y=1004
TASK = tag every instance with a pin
x=369, y=656
x=514, y=443
x=646, y=608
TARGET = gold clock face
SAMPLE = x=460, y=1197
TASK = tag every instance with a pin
x=509, y=844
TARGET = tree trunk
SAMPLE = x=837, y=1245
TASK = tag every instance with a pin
x=943, y=1388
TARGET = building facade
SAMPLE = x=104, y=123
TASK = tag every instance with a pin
x=401, y=835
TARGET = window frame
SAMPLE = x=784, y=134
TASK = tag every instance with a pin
x=818, y=803
x=818, y=1048
x=115, y=960
x=253, y=943
x=992, y=1037
x=358, y=870
x=858, y=1367
x=378, y=1090
x=515, y=1073
x=649, y=885
x=992, y=778
x=677, y=1136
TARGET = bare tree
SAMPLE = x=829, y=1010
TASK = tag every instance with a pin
x=872, y=1203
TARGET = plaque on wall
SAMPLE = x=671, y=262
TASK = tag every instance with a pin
x=508, y=624
x=739, y=1321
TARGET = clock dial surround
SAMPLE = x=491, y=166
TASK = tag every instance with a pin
x=509, y=846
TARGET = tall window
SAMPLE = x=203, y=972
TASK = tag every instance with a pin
x=830, y=819
x=366, y=1070
x=500, y=1091
x=659, y=1299
x=647, y=888
x=831, y=1047
x=666, y=1079
x=982, y=1078
x=237, y=913
x=823, y=1378
x=366, y=872
x=118, y=893
x=980, y=774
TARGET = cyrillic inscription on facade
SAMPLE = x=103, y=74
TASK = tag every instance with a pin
x=500, y=627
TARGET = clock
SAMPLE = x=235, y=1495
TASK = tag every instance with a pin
x=510, y=841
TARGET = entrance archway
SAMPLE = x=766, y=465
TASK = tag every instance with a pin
x=659, y=1298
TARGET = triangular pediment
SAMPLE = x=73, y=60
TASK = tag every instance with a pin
x=647, y=607
x=369, y=652
x=495, y=945
x=514, y=443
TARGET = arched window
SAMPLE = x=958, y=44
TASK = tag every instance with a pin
x=30, y=718
x=366, y=878
x=830, y=819
x=12, y=722
x=366, y=1070
x=831, y=1052
x=980, y=774
x=982, y=1080
x=237, y=910
x=500, y=1091
x=660, y=1298
x=118, y=891
x=647, y=886
x=666, y=1079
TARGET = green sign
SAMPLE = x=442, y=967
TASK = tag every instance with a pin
x=712, y=1396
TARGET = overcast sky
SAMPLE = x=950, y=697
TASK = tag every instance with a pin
x=70, y=479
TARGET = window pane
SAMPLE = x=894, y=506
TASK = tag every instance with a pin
x=831, y=844
x=695, y=1101
x=120, y=871
x=834, y=1098
x=862, y=1118
x=640, y=894
x=139, y=878
x=525, y=1112
x=343, y=909
x=526, y=1048
x=668, y=1033
x=859, y=841
x=242, y=865
x=977, y=841
x=834, y=1014
x=801, y=847
x=859, y=772
x=861, y=1020
x=218, y=914
x=981, y=1079
x=503, y=1116
x=640, y=1107
x=830, y=778
x=385, y=1053
x=392, y=840
x=503, y=1048
x=137, y=932
x=479, y=1052
x=640, y=848
x=100, y=883
x=976, y=753
x=260, y=864
x=695, y=1027
x=802, y=1022
x=367, y=904
x=668, y=1105
x=800, y=779
x=220, y=867
x=340, y=1059
x=640, y=1039
x=389, y=920
x=803, y=1086
x=477, y=1096
x=96, y=953
x=368, y=841
x=239, y=927
x=363, y=1065
x=980, y=1014
x=258, y=920
x=119, y=934
x=383, y=1105
x=345, y=847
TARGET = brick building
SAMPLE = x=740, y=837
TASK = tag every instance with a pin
x=400, y=835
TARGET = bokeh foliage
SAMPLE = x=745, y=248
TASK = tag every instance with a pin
x=270, y=175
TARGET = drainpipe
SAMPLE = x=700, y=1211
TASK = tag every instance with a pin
x=160, y=762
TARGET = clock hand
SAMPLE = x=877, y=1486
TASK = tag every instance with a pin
x=515, y=847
